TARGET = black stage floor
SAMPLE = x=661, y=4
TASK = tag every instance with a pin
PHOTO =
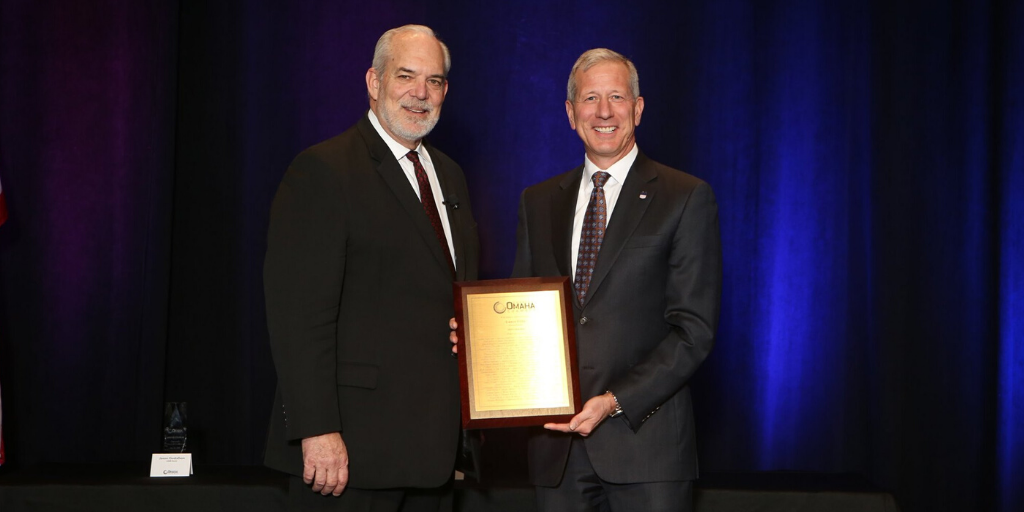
x=88, y=488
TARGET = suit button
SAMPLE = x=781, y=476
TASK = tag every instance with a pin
x=583, y=321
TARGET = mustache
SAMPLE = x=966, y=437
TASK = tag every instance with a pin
x=417, y=105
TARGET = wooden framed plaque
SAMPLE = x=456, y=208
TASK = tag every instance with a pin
x=517, y=352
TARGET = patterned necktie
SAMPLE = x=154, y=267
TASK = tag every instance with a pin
x=430, y=207
x=591, y=236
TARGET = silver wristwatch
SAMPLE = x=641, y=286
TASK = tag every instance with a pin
x=618, y=408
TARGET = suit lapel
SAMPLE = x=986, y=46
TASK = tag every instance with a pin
x=563, y=211
x=393, y=175
x=629, y=209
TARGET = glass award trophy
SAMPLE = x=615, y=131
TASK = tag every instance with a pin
x=175, y=427
x=175, y=459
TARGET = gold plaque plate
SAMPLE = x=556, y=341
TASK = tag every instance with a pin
x=517, y=352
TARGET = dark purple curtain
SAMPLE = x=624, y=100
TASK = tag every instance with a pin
x=868, y=160
x=87, y=99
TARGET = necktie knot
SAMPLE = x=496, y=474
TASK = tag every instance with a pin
x=600, y=178
x=413, y=157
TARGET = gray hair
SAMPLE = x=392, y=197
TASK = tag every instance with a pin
x=591, y=58
x=383, y=49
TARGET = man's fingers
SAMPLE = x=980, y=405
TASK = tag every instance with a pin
x=582, y=424
x=584, y=429
x=329, y=483
x=342, y=481
x=561, y=427
x=329, y=480
x=325, y=463
x=453, y=337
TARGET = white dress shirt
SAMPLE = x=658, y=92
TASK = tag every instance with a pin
x=612, y=187
x=400, y=152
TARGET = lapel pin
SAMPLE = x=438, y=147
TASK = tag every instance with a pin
x=643, y=194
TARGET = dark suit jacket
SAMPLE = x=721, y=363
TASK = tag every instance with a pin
x=649, y=319
x=358, y=300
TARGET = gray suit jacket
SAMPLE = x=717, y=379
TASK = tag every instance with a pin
x=648, y=323
x=358, y=300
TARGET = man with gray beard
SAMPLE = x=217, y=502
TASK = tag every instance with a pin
x=368, y=230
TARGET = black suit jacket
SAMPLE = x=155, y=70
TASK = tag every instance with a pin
x=358, y=298
x=649, y=319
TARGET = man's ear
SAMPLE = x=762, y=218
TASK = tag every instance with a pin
x=572, y=114
x=372, y=83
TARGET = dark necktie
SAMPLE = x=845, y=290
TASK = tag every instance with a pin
x=430, y=207
x=591, y=236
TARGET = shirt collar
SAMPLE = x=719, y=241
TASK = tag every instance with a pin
x=618, y=170
x=396, y=147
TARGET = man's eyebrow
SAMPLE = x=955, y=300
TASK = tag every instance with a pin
x=413, y=72
x=613, y=91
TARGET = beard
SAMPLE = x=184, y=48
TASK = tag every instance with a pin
x=409, y=129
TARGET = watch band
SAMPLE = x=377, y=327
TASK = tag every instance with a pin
x=618, y=408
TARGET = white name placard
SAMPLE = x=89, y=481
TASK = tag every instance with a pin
x=171, y=464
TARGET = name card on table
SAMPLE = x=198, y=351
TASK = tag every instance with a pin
x=171, y=464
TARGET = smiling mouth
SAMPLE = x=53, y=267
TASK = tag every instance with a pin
x=604, y=129
x=415, y=110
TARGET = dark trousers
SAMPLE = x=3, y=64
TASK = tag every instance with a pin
x=581, y=490
x=302, y=498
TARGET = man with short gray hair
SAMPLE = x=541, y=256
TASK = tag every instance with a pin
x=370, y=227
x=640, y=241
